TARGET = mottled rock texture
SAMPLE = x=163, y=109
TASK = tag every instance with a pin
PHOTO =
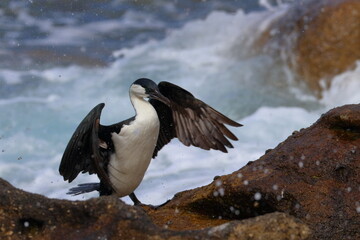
x=313, y=175
x=30, y=216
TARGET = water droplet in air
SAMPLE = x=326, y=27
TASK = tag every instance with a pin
x=357, y=207
x=301, y=164
x=221, y=191
x=257, y=196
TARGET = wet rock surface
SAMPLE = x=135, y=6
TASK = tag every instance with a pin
x=323, y=37
x=30, y=216
x=313, y=175
x=308, y=187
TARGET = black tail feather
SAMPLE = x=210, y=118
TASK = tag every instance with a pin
x=84, y=188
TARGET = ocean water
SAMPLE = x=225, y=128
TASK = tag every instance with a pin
x=57, y=62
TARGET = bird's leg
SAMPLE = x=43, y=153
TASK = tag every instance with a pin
x=138, y=203
x=135, y=199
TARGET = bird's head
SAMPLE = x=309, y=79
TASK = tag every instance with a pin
x=146, y=88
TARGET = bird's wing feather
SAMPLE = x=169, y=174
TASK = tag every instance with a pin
x=192, y=121
x=82, y=153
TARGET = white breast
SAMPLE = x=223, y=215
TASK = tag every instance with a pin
x=134, y=147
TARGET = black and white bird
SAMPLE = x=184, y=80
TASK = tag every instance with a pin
x=120, y=153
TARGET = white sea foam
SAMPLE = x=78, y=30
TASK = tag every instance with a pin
x=202, y=46
x=17, y=100
x=74, y=34
x=344, y=88
x=10, y=76
x=218, y=50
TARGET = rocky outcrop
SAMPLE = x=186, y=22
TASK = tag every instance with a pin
x=313, y=175
x=323, y=37
x=30, y=216
x=311, y=178
x=329, y=43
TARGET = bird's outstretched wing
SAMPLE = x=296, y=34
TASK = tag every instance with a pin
x=82, y=153
x=192, y=121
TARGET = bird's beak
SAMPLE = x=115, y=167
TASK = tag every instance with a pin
x=158, y=96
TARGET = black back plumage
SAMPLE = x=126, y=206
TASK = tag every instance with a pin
x=187, y=118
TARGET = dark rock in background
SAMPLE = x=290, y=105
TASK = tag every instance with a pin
x=323, y=37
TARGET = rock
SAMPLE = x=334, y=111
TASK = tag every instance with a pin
x=313, y=175
x=311, y=178
x=31, y=216
x=324, y=38
x=330, y=43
